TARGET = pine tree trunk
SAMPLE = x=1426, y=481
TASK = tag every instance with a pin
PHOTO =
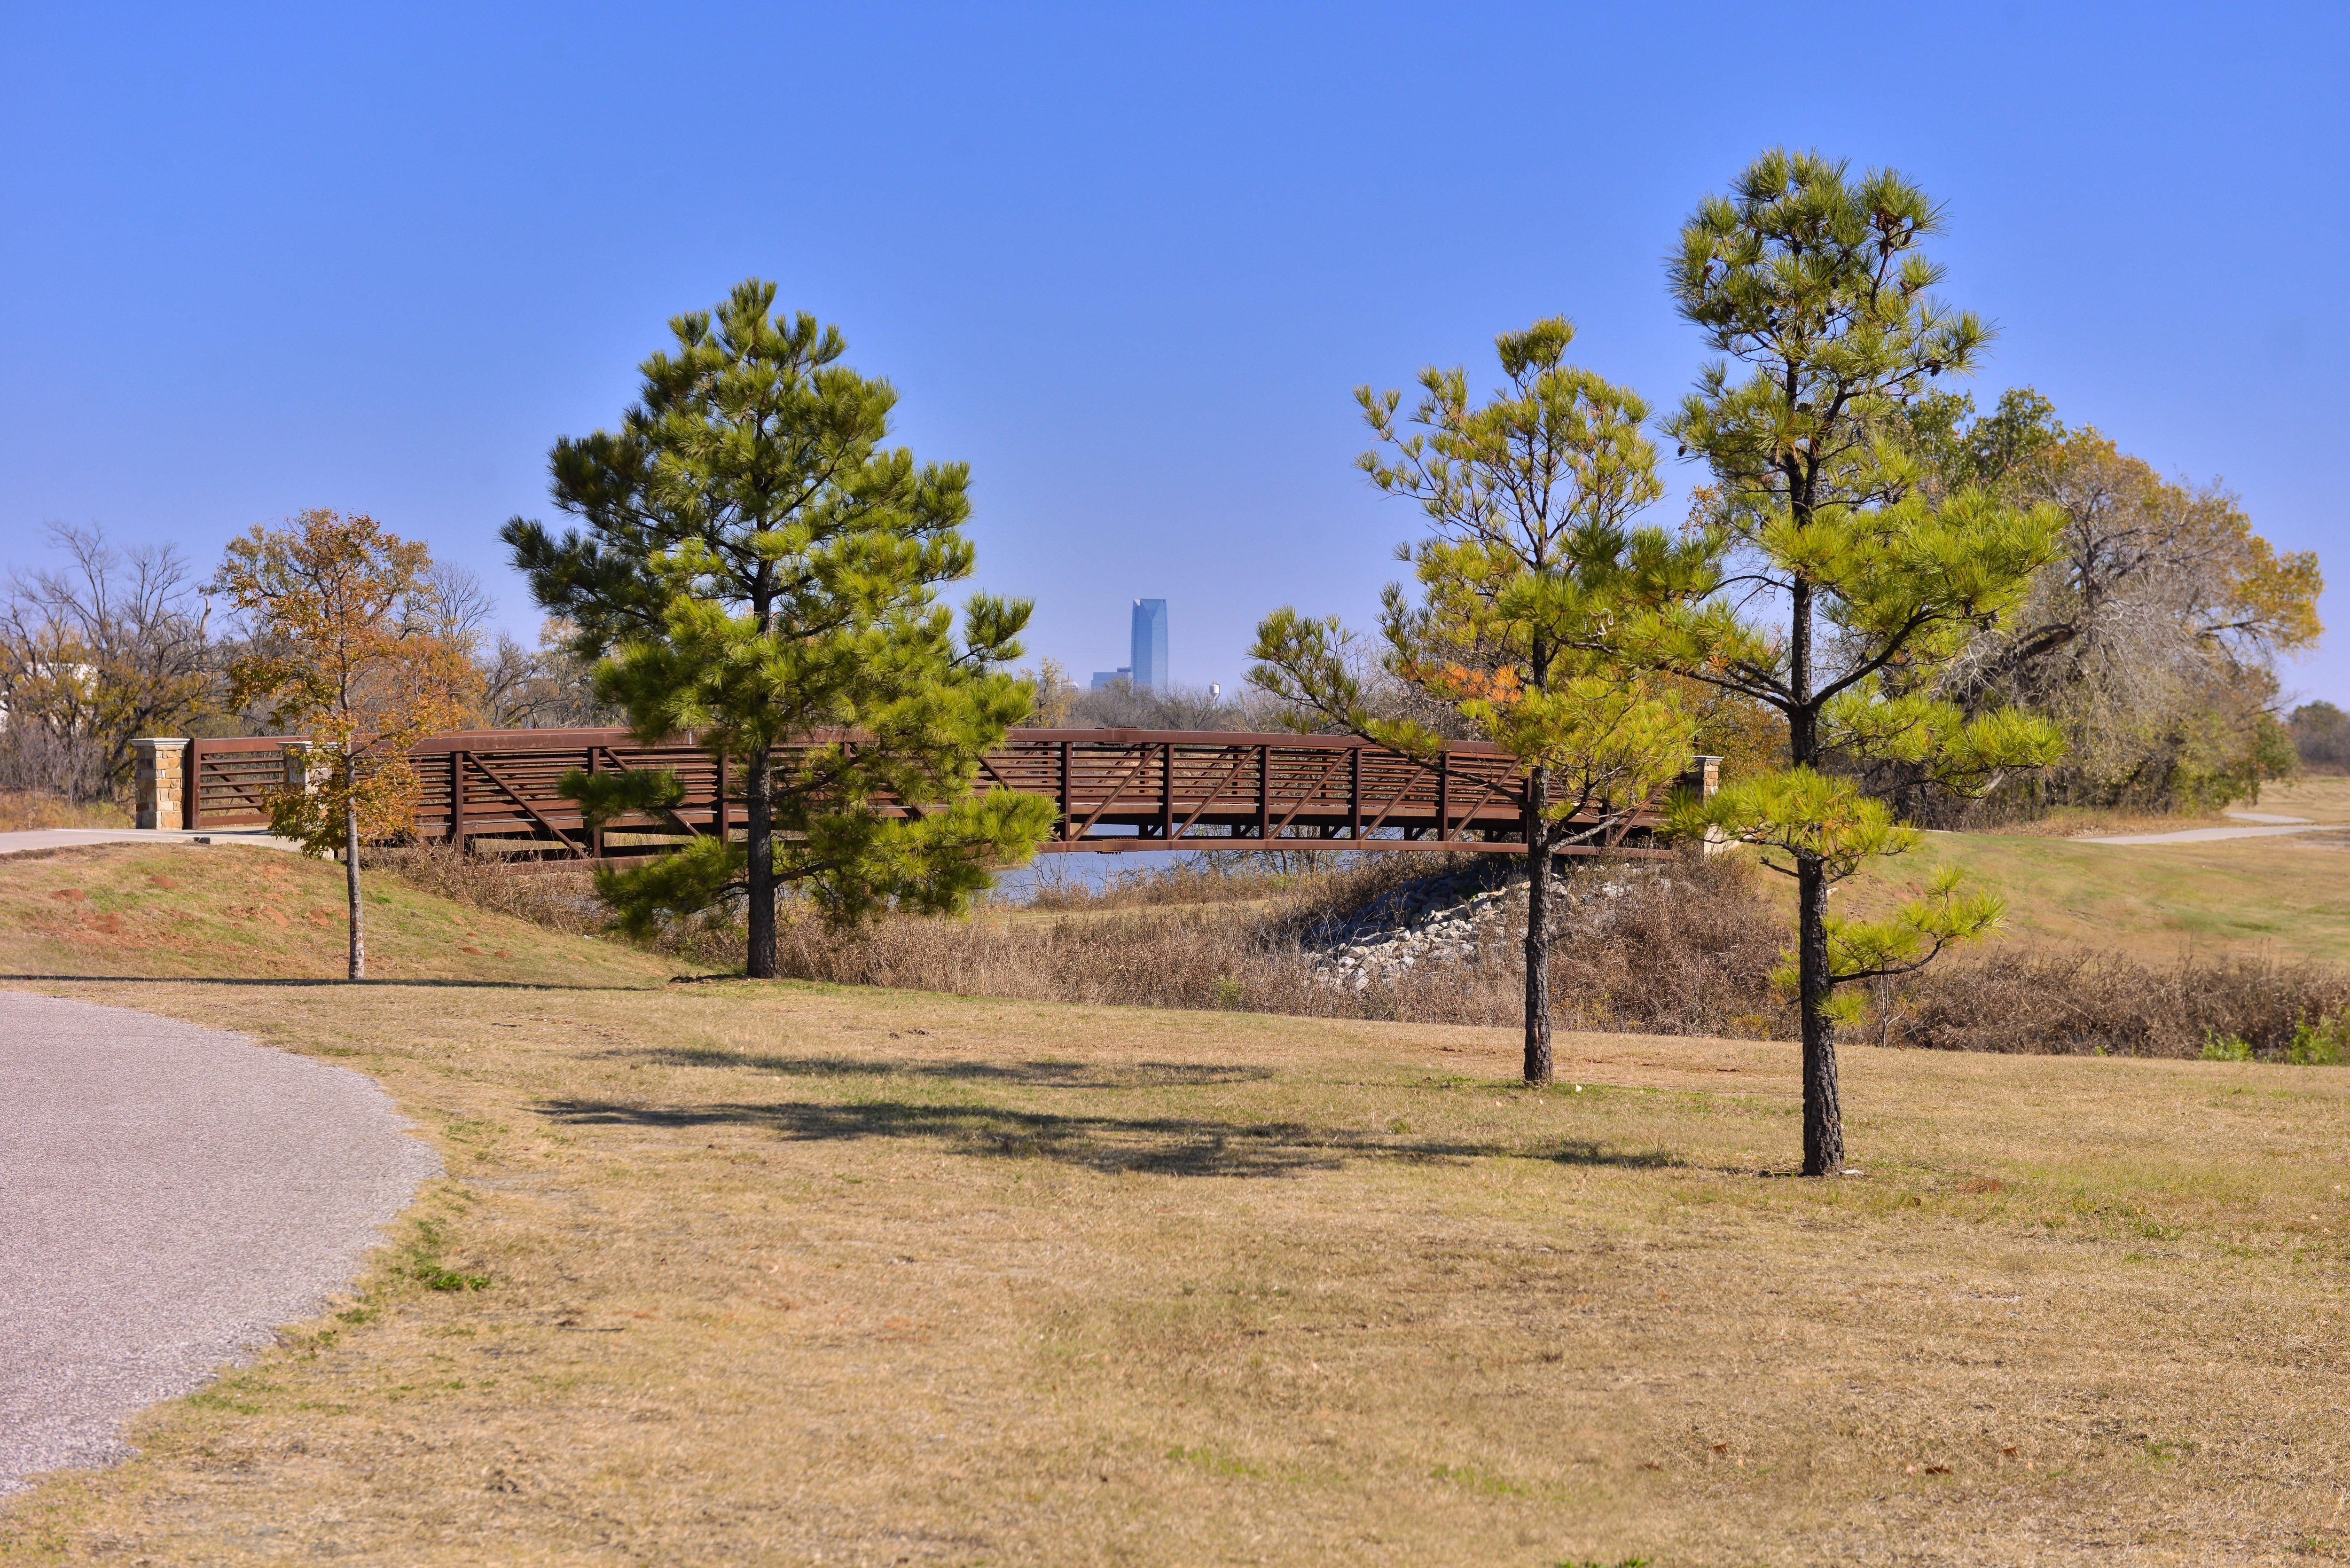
x=1823, y=1115
x=351, y=883
x=1823, y=1109
x=1538, y=1056
x=759, y=962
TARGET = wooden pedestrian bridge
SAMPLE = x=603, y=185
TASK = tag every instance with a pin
x=496, y=791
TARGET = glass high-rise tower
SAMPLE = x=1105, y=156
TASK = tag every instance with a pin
x=1148, y=660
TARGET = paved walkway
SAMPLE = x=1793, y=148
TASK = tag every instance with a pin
x=62, y=837
x=172, y=1195
x=2269, y=826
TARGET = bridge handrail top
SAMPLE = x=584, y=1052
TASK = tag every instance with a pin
x=1127, y=737
x=548, y=740
x=556, y=740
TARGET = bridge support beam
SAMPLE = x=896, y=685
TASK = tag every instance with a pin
x=1167, y=789
x=1263, y=792
x=457, y=771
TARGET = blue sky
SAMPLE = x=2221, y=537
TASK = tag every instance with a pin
x=1128, y=263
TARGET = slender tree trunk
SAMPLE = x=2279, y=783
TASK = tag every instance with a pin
x=758, y=788
x=1822, y=1108
x=1538, y=1056
x=351, y=883
x=1823, y=1113
x=1803, y=722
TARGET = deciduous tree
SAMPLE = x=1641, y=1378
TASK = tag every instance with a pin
x=1529, y=497
x=756, y=567
x=2152, y=641
x=339, y=614
x=113, y=646
x=2320, y=733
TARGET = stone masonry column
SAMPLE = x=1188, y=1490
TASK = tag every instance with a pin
x=163, y=781
x=1707, y=771
x=303, y=766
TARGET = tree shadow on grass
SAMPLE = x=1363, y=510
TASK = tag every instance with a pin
x=1043, y=1074
x=1168, y=1146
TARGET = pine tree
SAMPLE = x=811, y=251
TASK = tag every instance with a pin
x=1816, y=283
x=1529, y=498
x=755, y=566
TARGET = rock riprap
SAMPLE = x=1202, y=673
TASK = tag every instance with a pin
x=1465, y=917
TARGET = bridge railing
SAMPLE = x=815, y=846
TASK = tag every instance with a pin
x=1115, y=790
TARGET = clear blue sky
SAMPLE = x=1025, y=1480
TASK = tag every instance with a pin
x=1126, y=263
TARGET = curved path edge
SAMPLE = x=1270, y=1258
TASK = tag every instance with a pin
x=2217, y=834
x=170, y=1195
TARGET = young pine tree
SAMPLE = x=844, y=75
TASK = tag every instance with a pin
x=1816, y=285
x=757, y=566
x=1529, y=553
x=340, y=616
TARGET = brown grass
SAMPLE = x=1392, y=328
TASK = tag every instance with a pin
x=1226, y=936
x=2321, y=794
x=183, y=911
x=2059, y=1001
x=787, y=1272
x=1697, y=962
x=21, y=810
x=2286, y=897
x=556, y=896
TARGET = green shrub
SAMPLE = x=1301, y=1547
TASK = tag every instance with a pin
x=2320, y=1042
x=2218, y=1047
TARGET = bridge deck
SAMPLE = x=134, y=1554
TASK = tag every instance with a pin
x=1117, y=790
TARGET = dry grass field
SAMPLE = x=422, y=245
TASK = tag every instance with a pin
x=2287, y=896
x=24, y=809
x=743, y=1273
x=2284, y=897
x=2321, y=797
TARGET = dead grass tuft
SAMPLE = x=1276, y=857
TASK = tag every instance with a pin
x=2067, y=1003
x=558, y=897
x=23, y=810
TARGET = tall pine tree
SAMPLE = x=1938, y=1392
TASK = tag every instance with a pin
x=755, y=566
x=1871, y=582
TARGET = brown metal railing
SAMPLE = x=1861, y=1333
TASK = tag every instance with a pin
x=227, y=780
x=1115, y=790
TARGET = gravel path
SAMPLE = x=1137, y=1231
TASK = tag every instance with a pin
x=169, y=1195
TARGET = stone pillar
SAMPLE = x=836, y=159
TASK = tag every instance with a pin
x=1707, y=772
x=163, y=781
x=302, y=765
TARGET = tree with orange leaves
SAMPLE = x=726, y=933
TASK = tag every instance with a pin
x=338, y=613
x=1529, y=498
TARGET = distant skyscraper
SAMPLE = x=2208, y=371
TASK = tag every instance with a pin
x=1149, y=659
x=1106, y=679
